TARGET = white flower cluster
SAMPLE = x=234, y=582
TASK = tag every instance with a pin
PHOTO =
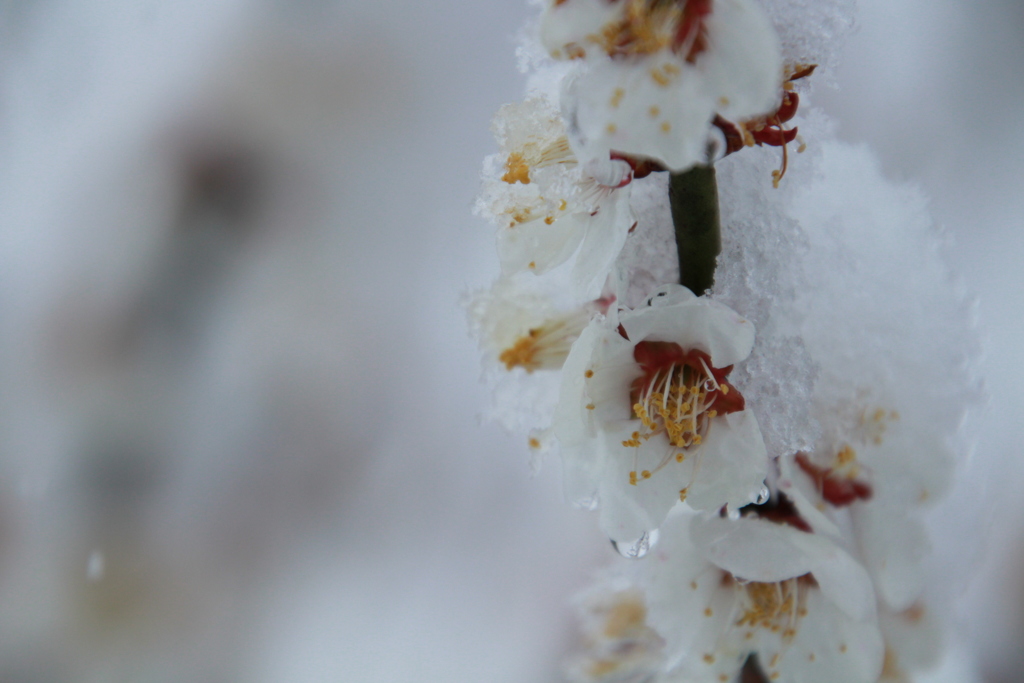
x=762, y=554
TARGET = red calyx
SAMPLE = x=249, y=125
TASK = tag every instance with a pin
x=780, y=510
x=835, y=489
x=653, y=356
x=733, y=138
x=642, y=166
x=773, y=135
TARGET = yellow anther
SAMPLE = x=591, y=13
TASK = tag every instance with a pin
x=846, y=455
x=601, y=668
x=625, y=616
x=680, y=457
x=632, y=478
x=646, y=474
x=521, y=354
x=516, y=169
x=549, y=220
x=724, y=389
x=588, y=374
x=660, y=78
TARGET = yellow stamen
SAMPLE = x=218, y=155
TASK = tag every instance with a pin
x=516, y=169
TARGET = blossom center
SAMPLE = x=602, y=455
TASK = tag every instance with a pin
x=679, y=394
x=546, y=346
x=532, y=156
x=774, y=606
x=645, y=27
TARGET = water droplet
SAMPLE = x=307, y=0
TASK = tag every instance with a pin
x=634, y=550
x=709, y=385
x=732, y=513
x=95, y=566
x=763, y=496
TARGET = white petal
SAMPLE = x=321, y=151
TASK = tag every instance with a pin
x=743, y=63
x=537, y=246
x=799, y=488
x=893, y=546
x=670, y=294
x=605, y=235
x=699, y=323
x=657, y=107
x=572, y=21
x=733, y=463
x=915, y=637
x=755, y=549
x=627, y=510
x=830, y=646
x=842, y=580
x=572, y=422
x=687, y=601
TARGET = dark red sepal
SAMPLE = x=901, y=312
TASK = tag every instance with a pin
x=837, y=490
x=773, y=136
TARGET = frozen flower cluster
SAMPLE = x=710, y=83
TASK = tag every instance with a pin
x=765, y=446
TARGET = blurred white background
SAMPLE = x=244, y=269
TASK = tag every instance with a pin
x=239, y=432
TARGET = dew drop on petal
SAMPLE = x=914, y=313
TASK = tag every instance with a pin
x=732, y=513
x=763, y=495
x=634, y=550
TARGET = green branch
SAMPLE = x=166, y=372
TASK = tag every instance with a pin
x=693, y=195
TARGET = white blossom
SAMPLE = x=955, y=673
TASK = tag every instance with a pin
x=719, y=590
x=656, y=73
x=914, y=641
x=619, y=646
x=520, y=325
x=547, y=205
x=646, y=417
